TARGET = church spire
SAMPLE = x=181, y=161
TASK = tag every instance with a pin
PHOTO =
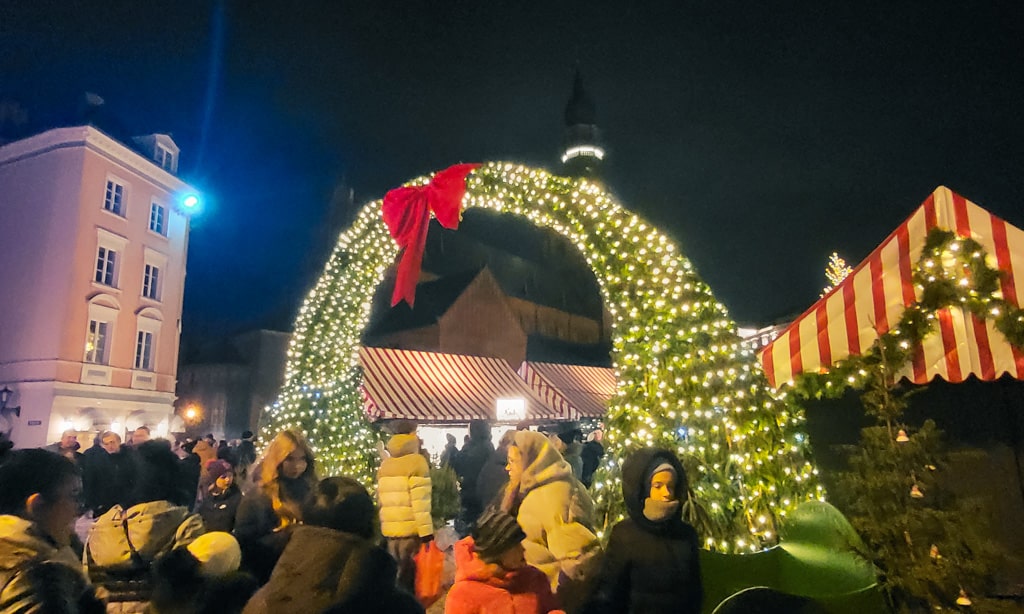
x=582, y=150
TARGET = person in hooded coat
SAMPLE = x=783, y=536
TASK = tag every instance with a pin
x=404, y=490
x=651, y=564
x=331, y=562
x=491, y=573
x=556, y=513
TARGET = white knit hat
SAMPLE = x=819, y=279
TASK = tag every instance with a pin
x=217, y=552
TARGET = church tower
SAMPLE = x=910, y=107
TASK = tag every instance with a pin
x=582, y=149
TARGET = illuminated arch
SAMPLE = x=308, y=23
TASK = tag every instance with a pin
x=685, y=380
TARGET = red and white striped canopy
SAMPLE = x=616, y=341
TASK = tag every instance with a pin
x=848, y=320
x=435, y=387
x=574, y=391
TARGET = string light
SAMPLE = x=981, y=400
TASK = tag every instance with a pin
x=684, y=380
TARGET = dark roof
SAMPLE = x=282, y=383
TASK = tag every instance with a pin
x=88, y=110
x=548, y=349
x=433, y=298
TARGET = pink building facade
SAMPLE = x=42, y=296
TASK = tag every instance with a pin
x=92, y=276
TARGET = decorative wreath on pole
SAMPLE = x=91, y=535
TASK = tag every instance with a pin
x=685, y=382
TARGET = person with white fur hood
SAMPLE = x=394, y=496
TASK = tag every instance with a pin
x=556, y=513
x=404, y=491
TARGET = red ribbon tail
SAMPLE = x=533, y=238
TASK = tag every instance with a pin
x=409, y=266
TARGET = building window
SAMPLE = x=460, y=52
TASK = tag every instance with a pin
x=96, y=342
x=114, y=199
x=165, y=158
x=156, y=219
x=151, y=282
x=144, y=351
x=106, y=267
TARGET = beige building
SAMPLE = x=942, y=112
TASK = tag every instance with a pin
x=93, y=275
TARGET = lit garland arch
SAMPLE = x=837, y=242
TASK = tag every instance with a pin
x=684, y=380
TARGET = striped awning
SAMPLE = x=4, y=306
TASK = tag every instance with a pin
x=848, y=320
x=435, y=387
x=575, y=391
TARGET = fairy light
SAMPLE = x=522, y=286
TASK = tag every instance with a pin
x=684, y=380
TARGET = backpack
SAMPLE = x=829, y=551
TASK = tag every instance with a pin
x=122, y=545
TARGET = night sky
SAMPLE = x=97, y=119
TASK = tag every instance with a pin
x=761, y=136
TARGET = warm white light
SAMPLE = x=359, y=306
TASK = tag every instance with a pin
x=583, y=150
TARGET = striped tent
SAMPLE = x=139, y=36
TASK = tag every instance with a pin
x=435, y=387
x=574, y=391
x=848, y=320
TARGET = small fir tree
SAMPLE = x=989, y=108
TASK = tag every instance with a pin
x=928, y=544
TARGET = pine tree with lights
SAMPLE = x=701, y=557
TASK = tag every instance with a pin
x=929, y=545
x=685, y=380
x=836, y=271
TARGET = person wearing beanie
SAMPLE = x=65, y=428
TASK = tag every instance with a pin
x=491, y=574
x=556, y=513
x=404, y=491
x=651, y=564
x=219, y=496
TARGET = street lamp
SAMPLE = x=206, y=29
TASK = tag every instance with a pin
x=5, y=395
x=8, y=424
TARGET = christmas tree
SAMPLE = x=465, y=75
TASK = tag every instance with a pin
x=685, y=380
x=836, y=271
x=930, y=547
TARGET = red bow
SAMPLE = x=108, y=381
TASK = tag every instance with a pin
x=407, y=213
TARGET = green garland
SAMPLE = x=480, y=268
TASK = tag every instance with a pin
x=685, y=380
x=952, y=271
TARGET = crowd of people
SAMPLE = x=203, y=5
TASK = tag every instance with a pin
x=206, y=526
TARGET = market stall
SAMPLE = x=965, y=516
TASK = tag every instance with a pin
x=873, y=299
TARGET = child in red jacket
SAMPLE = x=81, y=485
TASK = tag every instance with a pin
x=491, y=574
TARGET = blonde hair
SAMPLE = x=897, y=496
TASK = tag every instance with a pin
x=268, y=474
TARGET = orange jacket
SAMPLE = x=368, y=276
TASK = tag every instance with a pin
x=485, y=588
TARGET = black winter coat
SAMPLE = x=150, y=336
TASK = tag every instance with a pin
x=106, y=478
x=649, y=567
x=219, y=511
x=467, y=465
x=490, y=482
x=322, y=568
x=257, y=534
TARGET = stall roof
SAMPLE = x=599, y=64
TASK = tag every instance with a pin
x=848, y=320
x=574, y=391
x=436, y=387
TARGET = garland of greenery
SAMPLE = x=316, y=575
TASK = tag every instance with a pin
x=686, y=382
x=952, y=271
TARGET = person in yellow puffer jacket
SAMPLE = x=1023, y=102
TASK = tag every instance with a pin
x=403, y=489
